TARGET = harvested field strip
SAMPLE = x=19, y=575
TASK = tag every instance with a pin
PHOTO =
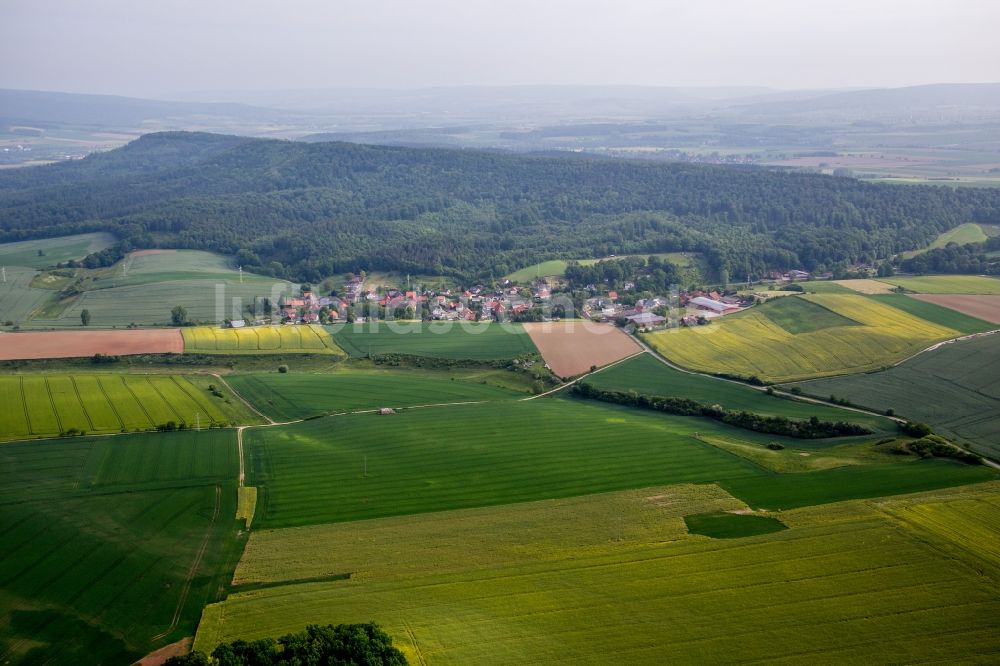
x=571, y=348
x=73, y=344
x=861, y=588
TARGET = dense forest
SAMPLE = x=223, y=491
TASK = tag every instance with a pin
x=303, y=211
x=977, y=258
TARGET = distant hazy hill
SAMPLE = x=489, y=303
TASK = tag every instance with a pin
x=307, y=210
x=44, y=109
x=966, y=98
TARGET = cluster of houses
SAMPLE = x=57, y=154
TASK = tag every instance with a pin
x=699, y=307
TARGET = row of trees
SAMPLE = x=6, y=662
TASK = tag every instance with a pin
x=973, y=258
x=812, y=428
x=305, y=211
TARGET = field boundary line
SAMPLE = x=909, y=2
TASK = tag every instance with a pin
x=239, y=448
x=256, y=411
x=52, y=402
x=195, y=565
x=581, y=377
x=111, y=404
x=79, y=398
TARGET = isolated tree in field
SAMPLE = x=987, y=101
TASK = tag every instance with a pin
x=85, y=317
x=178, y=315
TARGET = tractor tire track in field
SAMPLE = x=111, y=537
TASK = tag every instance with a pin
x=195, y=565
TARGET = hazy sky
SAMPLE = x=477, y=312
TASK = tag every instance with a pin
x=156, y=47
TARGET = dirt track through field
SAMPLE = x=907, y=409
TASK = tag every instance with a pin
x=572, y=347
x=74, y=344
x=982, y=307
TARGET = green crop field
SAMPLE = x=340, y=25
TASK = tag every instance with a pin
x=150, y=304
x=111, y=546
x=18, y=299
x=644, y=374
x=615, y=578
x=169, y=266
x=824, y=287
x=474, y=455
x=725, y=525
x=439, y=340
x=936, y=314
x=955, y=388
x=947, y=284
x=963, y=234
x=557, y=267
x=285, y=339
x=798, y=315
x=285, y=397
x=49, y=404
x=749, y=343
x=54, y=250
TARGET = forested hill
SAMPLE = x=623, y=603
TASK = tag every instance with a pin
x=305, y=210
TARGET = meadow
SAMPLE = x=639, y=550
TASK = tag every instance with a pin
x=751, y=344
x=955, y=388
x=299, y=339
x=53, y=250
x=644, y=374
x=963, y=234
x=798, y=315
x=45, y=405
x=848, y=583
x=112, y=546
x=298, y=395
x=947, y=284
x=463, y=341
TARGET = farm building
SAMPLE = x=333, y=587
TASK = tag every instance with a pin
x=646, y=320
x=712, y=305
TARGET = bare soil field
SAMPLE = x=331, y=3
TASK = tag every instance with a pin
x=984, y=307
x=866, y=286
x=572, y=347
x=73, y=344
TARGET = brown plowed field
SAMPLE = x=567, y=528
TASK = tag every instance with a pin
x=72, y=344
x=984, y=307
x=571, y=347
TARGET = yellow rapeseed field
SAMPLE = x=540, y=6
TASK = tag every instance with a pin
x=306, y=339
x=751, y=344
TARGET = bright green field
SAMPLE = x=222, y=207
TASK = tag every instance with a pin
x=56, y=250
x=955, y=388
x=174, y=265
x=296, y=395
x=936, y=314
x=825, y=287
x=104, y=542
x=947, y=284
x=963, y=234
x=473, y=455
x=644, y=374
x=440, y=340
x=797, y=315
x=615, y=579
x=47, y=405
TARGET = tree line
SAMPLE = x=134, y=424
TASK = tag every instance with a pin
x=811, y=428
x=303, y=211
